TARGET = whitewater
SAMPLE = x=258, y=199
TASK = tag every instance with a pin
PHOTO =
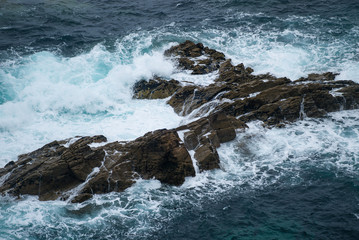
x=301, y=181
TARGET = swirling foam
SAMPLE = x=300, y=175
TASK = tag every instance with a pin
x=56, y=98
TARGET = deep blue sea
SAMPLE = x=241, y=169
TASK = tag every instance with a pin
x=67, y=68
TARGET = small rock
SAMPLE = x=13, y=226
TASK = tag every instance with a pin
x=190, y=140
x=226, y=134
x=155, y=88
x=328, y=76
x=207, y=157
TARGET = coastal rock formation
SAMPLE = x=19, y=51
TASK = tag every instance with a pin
x=239, y=93
x=53, y=169
x=156, y=88
x=205, y=135
x=158, y=154
x=75, y=169
x=196, y=57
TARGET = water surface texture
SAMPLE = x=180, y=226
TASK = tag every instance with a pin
x=67, y=68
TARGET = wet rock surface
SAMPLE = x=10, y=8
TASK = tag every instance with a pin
x=195, y=57
x=205, y=135
x=53, y=169
x=75, y=169
x=156, y=88
x=239, y=93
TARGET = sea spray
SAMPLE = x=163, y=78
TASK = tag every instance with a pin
x=57, y=98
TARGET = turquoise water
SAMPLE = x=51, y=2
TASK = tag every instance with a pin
x=67, y=69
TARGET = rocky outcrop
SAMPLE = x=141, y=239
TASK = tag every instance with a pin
x=205, y=135
x=266, y=98
x=196, y=57
x=156, y=88
x=76, y=171
x=239, y=93
x=53, y=169
x=77, y=168
x=158, y=154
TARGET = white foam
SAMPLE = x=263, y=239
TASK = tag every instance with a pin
x=186, y=78
x=191, y=152
x=76, y=190
x=4, y=178
x=349, y=71
x=291, y=53
x=96, y=145
x=253, y=94
x=90, y=94
x=71, y=141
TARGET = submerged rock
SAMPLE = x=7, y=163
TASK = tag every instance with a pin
x=75, y=169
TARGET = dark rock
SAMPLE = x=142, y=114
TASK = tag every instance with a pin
x=185, y=55
x=157, y=154
x=221, y=121
x=267, y=98
x=210, y=132
x=234, y=74
x=185, y=63
x=189, y=98
x=180, y=98
x=212, y=139
x=226, y=66
x=200, y=69
x=207, y=157
x=264, y=97
x=190, y=140
x=81, y=159
x=184, y=49
x=218, y=56
x=160, y=154
x=10, y=164
x=226, y=134
x=156, y=88
x=81, y=198
x=328, y=76
x=51, y=171
x=249, y=70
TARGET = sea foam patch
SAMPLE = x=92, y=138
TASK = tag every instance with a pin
x=57, y=98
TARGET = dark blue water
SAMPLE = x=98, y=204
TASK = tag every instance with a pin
x=76, y=26
x=321, y=209
x=67, y=67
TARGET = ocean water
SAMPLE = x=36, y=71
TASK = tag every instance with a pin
x=67, y=69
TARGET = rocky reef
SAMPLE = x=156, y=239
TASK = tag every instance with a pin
x=75, y=169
